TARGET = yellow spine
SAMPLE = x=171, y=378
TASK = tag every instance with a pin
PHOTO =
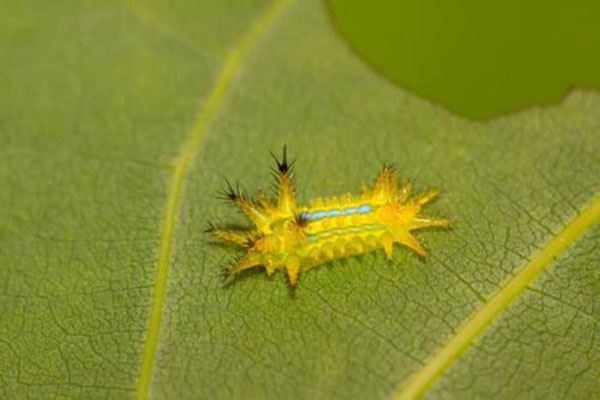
x=295, y=238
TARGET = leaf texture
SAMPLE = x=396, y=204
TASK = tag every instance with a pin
x=99, y=100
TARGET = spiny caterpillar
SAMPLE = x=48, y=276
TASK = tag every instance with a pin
x=286, y=235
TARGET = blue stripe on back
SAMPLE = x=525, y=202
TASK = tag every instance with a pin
x=362, y=209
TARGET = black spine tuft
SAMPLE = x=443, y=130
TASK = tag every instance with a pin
x=389, y=166
x=231, y=193
x=283, y=167
x=301, y=220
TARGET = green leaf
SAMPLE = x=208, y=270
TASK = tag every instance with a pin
x=119, y=124
x=480, y=59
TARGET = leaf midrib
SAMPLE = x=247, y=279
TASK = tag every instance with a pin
x=474, y=326
x=182, y=163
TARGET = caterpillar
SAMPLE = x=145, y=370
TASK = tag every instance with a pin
x=296, y=238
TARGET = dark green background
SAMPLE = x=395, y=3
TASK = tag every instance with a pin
x=477, y=58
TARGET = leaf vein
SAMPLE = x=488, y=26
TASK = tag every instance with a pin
x=474, y=326
x=181, y=167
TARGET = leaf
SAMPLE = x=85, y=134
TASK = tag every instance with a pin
x=119, y=123
x=480, y=59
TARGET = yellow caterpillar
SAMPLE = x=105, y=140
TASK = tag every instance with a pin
x=294, y=237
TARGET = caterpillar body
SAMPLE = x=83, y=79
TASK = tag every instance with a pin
x=296, y=238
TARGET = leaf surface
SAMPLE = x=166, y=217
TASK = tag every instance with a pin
x=101, y=104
